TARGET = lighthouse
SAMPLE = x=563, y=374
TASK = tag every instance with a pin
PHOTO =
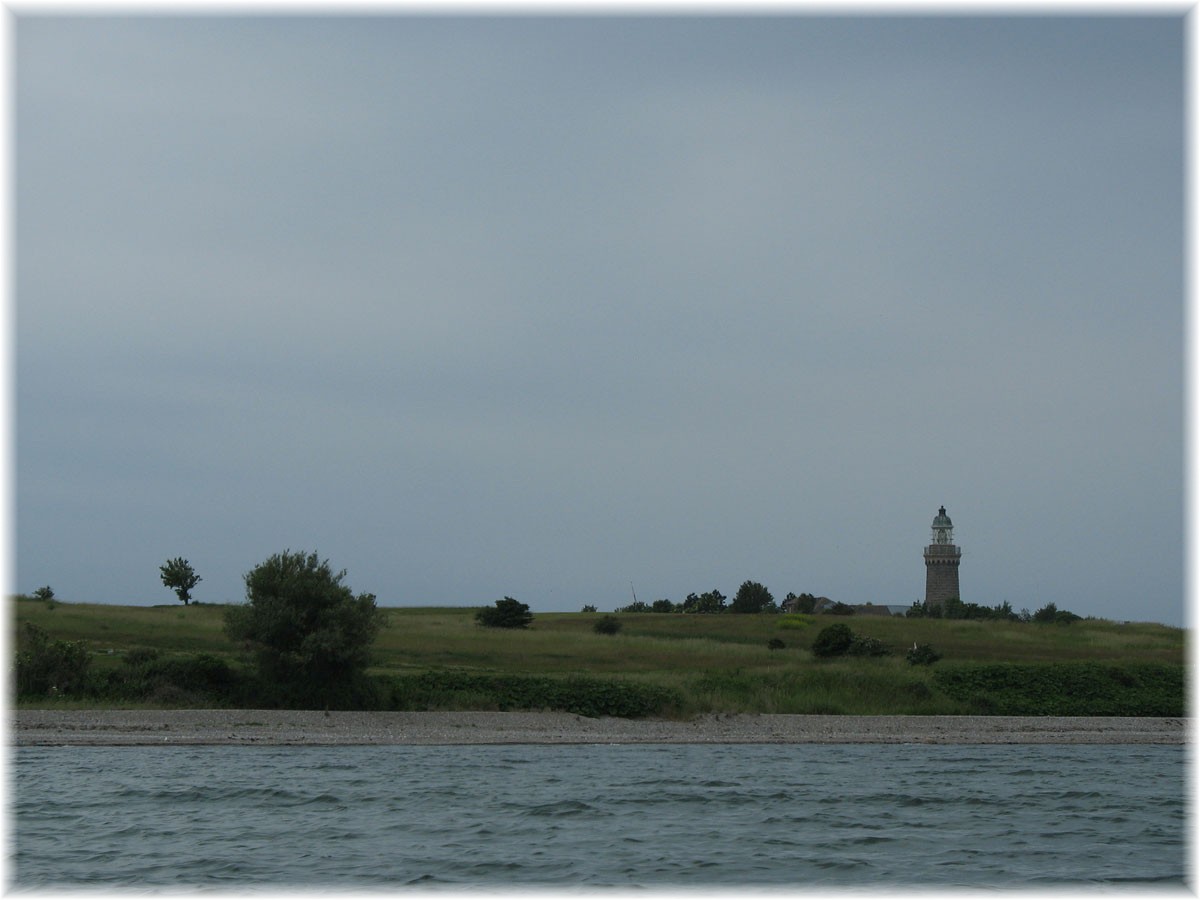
x=941, y=563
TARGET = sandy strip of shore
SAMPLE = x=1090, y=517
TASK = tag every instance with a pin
x=291, y=727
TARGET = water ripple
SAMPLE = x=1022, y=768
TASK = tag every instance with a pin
x=700, y=816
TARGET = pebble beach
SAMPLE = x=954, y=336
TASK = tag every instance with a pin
x=319, y=728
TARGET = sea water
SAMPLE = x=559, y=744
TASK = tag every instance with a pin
x=657, y=816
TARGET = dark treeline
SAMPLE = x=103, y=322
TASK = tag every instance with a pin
x=753, y=597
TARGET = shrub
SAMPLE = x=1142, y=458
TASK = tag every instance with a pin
x=1067, y=689
x=954, y=608
x=607, y=625
x=139, y=656
x=202, y=672
x=581, y=695
x=46, y=666
x=1053, y=615
x=922, y=655
x=588, y=608
x=775, y=644
x=44, y=593
x=861, y=645
x=507, y=613
x=833, y=641
x=202, y=679
x=664, y=606
x=841, y=609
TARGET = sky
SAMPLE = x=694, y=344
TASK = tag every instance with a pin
x=574, y=309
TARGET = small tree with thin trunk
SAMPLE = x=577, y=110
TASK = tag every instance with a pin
x=179, y=576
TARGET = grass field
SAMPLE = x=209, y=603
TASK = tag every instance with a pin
x=710, y=662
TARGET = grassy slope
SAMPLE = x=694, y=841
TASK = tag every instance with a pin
x=716, y=662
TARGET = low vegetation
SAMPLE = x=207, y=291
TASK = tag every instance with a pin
x=507, y=613
x=662, y=664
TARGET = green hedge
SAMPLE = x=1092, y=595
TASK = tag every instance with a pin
x=1067, y=689
x=201, y=679
x=583, y=696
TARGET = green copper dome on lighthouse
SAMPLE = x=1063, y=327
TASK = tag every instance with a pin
x=943, y=528
x=941, y=520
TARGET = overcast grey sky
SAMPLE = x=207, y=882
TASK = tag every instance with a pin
x=543, y=306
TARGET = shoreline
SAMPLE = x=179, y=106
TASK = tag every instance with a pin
x=256, y=727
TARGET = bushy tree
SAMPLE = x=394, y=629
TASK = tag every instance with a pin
x=752, y=597
x=588, y=608
x=712, y=602
x=303, y=623
x=44, y=593
x=178, y=575
x=663, y=606
x=1046, y=613
x=507, y=613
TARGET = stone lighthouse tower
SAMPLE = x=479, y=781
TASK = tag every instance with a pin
x=941, y=563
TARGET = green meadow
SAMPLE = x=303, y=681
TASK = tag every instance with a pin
x=674, y=664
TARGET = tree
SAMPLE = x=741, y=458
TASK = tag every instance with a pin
x=44, y=593
x=507, y=613
x=303, y=623
x=1005, y=611
x=637, y=606
x=752, y=597
x=663, y=606
x=1046, y=613
x=178, y=575
x=799, y=603
x=712, y=602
